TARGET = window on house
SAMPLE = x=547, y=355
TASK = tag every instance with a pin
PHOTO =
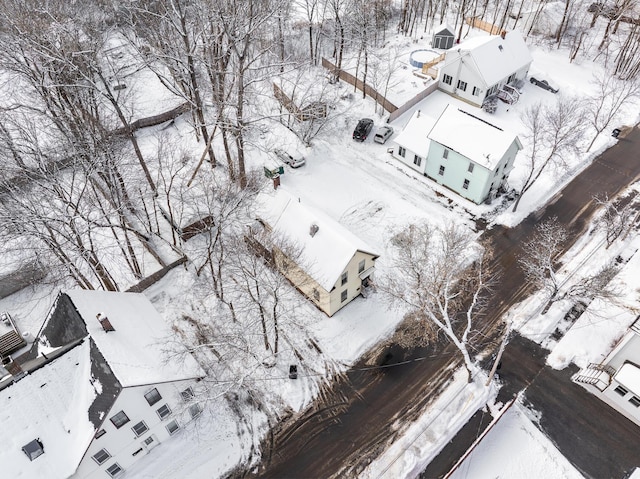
x=187, y=394
x=621, y=390
x=470, y=169
x=173, y=426
x=462, y=85
x=100, y=433
x=635, y=400
x=163, y=411
x=401, y=151
x=465, y=184
x=495, y=173
x=33, y=449
x=448, y=79
x=101, y=456
x=195, y=410
x=417, y=160
x=316, y=294
x=441, y=171
x=361, y=266
x=152, y=397
x=344, y=278
x=140, y=428
x=445, y=154
x=114, y=470
x=343, y=296
x=476, y=91
x=119, y=419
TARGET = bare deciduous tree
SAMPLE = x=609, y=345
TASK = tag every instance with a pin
x=616, y=218
x=604, y=105
x=439, y=276
x=552, y=131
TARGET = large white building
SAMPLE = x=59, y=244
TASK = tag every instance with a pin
x=616, y=380
x=480, y=66
x=461, y=151
x=96, y=392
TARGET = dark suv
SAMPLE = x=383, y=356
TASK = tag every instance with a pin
x=363, y=129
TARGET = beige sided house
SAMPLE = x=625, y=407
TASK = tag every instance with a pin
x=331, y=266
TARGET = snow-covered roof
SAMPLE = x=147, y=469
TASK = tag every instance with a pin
x=414, y=136
x=134, y=351
x=51, y=405
x=442, y=28
x=468, y=135
x=629, y=376
x=323, y=256
x=495, y=57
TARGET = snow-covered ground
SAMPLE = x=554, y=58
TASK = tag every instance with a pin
x=365, y=189
x=515, y=447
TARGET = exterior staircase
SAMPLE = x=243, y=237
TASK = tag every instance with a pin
x=11, y=340
x=597, y=375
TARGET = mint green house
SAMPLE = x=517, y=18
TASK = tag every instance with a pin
x=460, y=151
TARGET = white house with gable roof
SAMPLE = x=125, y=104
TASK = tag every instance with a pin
x=331, y=266
x=96, y=392
x=616, y=380
x=480, y=66
x=461, y=151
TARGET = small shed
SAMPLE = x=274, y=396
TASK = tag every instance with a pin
x=443, y=37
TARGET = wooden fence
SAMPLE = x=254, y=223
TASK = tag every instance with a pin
x=413, y=101
x=360, y=85
x=482, y=25
x=155, y=277
x=155, y=119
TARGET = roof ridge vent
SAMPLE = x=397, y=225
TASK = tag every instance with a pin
x=105, y=323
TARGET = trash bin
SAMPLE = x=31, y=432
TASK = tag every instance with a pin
x=615, y=132
x=293, y=372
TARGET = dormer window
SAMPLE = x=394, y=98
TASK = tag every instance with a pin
x=33, y=449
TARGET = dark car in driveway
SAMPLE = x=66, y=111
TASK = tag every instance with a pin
x=363, y=129
x=544, y=84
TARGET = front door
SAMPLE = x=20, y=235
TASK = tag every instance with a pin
x=150, y=442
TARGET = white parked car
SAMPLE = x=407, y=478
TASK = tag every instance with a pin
x=383, y=134
x=293, y=162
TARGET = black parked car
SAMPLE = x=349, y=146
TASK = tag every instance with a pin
x=544, y=84
x=363, y=129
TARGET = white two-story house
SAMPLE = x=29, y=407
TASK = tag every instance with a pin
x=96, y=392
x=477, y=68
x=460, y=151
x=331, y=266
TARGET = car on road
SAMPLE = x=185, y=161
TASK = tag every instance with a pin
x=292, y=161
x=544, y=84
x=363, y=129
x=383, y=134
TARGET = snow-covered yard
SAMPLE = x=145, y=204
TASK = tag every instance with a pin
x=361, y=186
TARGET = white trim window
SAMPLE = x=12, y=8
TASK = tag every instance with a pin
x=101, y=456
x=447, y=79
x=163, y=412
x=114, y=470
x=465, y=184
x=462, y=85
x=140, y=428
x=441, y=170
x=172, y=427
x=470, y=168
x=401, y=151
x=417, y=160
